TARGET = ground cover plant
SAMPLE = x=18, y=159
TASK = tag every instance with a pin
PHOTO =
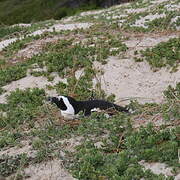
x=96, y=147
x=9, y=165
x=120, y=153
x=78, y=57
x=156, y=17
x=163, y=54
x=55, y=9
x=121, y=147
x=19, y=30
x=17, y=45
x=6, y=31
x=21, y=107
x=12, y=73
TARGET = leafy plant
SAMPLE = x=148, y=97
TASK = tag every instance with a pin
x=173, y=93
x=8, y=138
x=1, y=91
x=19, y=44
x=171, y=109
x=12, y=73
x=119, y=159
x=9, y=165
x=39, y=10
x=22, y=106
x=164, y=54
x=6, y=31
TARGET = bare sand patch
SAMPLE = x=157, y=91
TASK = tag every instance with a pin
x=22, y=25
x=87, y=13
x=159, y=1
x=128, y=79
x=60, y=27
x=176, y=20
x=70, y=144
x=173, y=7
x=146, y=41
x=24, y=148
x=31, y=82
x=6, y=43
x=56, y=28
x=35, y=47
x=53, y=169
x=142, y=21
x=159, y=168
x=50, y=170
x=138, y=10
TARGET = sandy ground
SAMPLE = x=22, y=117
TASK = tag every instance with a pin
x=135, y=80
x=56, y=27
x=50, y=170
x=30, y=82
x=128, y=79
x=159, y=168
x=6, y=43
x=142, y=21
x=116, y=15
x=21, y=25
x=175, y=20
x=146, y=41
x=138, y=10
x=34, y=48
x=24, y=148
x=159, y=1
x=60, y=27
x=122, y=76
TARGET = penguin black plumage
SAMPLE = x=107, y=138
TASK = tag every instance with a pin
x=69, y=107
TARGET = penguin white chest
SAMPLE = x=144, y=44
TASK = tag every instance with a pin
x=68, y=116
x=69, y=113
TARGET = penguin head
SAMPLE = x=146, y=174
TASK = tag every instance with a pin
x=59, y=101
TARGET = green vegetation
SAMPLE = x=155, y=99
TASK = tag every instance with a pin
x=66, y=59
x=121, y=146
x=73, y=57
x=12, y=73
x=173, y=93
x=163, y=23
x=115, y=15
x=21, y=107
x=7, y=32
x=121, y=152
x=2, y=63
x=171, y=110
x=8, y=138
x=163, y=54
x=1, y=91
x=158, y=24
x=11, y=31
x=9, y=165
x=107, y=148
x=13, y=12
x=14, y=47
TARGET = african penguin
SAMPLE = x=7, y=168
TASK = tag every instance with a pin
x=69, y=107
